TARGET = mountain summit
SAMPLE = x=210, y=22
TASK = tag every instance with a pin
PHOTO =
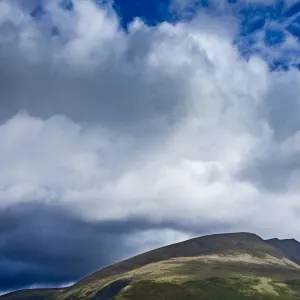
x=236, y=266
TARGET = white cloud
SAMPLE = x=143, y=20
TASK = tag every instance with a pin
x=199, y=116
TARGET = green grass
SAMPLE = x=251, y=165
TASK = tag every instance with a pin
x=147, y=290
x=294, y=284
x=214, y=288
x=192, y=290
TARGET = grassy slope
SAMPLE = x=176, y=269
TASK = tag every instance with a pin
x=215, y=288
x=176, y=266
x=217, y=244
x=237, y=266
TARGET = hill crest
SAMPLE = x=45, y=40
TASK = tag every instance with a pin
x=201, y=256
x=222, y=243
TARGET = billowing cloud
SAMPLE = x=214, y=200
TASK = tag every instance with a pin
x=114, y=141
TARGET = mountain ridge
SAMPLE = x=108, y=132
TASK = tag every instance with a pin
x=222, y=255
x=290, y=247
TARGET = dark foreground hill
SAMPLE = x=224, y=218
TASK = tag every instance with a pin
x=224, y=266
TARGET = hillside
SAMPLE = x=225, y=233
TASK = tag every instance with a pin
x=290, y=248
x=245, y=243
x=235, y=266
x=37, y=294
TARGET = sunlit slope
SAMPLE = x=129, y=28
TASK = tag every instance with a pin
x=236, y=266
x=239, y=265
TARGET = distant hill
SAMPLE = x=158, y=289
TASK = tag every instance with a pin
x=290, y=248
x=36, y=294
x=223, y=266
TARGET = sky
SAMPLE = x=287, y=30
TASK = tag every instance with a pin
x=129, y=125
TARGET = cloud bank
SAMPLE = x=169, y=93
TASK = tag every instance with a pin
x=114, y=141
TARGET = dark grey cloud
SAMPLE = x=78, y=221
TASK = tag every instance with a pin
x=271, y=171
x=47, y=92
x=46, y=245
x=275, y=163
x=283, y=105
x=45, y=88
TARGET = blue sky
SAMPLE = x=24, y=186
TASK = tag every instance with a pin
x=260, y=24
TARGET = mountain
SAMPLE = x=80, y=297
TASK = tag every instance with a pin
x=222, y=266
x=290, y=247
x=36, y=294
x=221, y=244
